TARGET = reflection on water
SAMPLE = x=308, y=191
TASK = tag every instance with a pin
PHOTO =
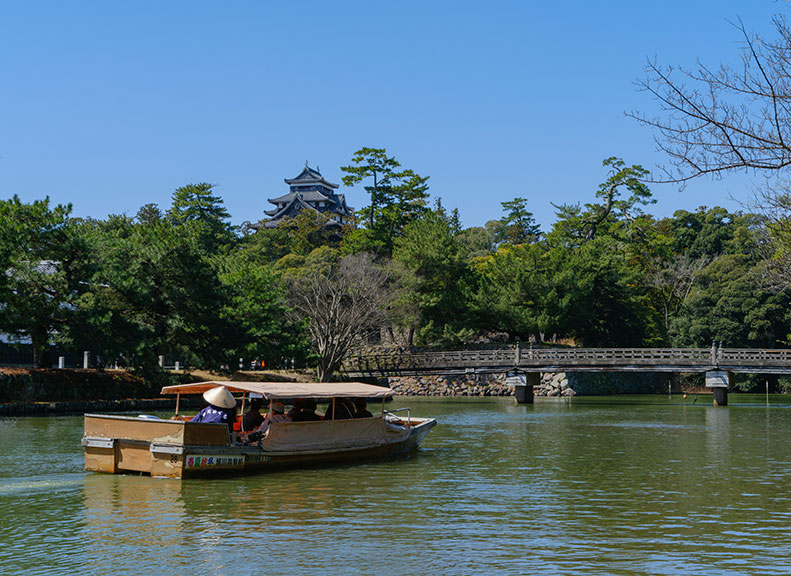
x=634, y=486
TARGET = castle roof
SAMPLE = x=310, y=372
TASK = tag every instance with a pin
x=309, y=191
x=307, y=196
x=309, y=176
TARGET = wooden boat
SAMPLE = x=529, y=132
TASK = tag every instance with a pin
x=179, y=449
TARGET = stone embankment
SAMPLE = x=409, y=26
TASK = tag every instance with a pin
x=551, y=384
x=554, y=384
x=472, y=385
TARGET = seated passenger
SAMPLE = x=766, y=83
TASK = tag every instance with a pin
x=307, y=411
x=221, y=408
x=360, y=409
x=277, y=412
x=253, y=418
x=297, y=404
x=274, y=415
x=342, y=410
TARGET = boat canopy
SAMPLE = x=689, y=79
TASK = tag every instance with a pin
x=283, y=390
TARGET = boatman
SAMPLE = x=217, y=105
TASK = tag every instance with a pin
x=221, y=408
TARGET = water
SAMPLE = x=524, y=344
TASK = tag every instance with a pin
x=630, y=485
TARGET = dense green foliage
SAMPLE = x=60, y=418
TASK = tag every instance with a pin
x=185, y=284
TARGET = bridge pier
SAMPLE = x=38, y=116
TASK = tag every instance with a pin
x=523, y=383
x=719, y=381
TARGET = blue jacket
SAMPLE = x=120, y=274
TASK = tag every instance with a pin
x=212, y=414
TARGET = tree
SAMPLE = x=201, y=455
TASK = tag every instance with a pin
x=726, y=305
x=397, y=197
x=513, y=292
x=719, y=120
x=713, y=231
x=257, y=309
x=196, y=203
x=375, y=164
x=612, y=209
x=603, y=299
x=723, y=119
x=149, y=214
x=672, y=283
x=341, y=303
x=518, y=226
x=156, y=292
x=431, y=251
x=307, y=230
x=43, y=268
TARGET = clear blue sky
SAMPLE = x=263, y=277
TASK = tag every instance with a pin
x=111, y=105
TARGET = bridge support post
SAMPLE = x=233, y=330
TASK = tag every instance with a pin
x=719, y=381
x=523, y=383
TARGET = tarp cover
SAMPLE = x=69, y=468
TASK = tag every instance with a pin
x=283, y=390
x=332, y=435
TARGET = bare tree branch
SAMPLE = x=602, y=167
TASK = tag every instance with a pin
x=342, y=305
x=719, y=121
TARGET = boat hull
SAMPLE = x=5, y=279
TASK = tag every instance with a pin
x=118, y=444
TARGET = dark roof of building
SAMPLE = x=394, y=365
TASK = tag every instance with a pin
x=290, y=210
x=307, y=196
x=321, y=199
x=309, y=176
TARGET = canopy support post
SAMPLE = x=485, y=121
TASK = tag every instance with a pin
x=178, y=397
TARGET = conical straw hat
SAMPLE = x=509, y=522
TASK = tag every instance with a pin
x=220, y=397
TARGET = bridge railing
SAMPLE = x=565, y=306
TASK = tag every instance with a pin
x=617, y=356
x=758, y=357
x=395, y=360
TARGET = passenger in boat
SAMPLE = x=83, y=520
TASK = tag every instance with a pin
x=276, y=414
x=306, y=412
x=296, y=406
x=361, y=409
x=343, y=410
x=221, y=408
x=253, y=418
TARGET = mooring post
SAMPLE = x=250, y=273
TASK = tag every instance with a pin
x=86, y=359
x=718, y=381
x=161, y=361
x=61, y=362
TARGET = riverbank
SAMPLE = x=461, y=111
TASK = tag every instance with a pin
x=28, y=391
x=550, y=384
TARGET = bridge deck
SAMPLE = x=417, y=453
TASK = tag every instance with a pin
x=401, y=363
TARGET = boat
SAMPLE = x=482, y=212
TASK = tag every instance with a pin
x=178, y=448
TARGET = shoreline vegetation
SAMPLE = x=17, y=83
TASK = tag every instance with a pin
x=184, y=287
x=43, y=391
x=48, y=390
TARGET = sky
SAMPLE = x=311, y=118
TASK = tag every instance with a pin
x=112, y=105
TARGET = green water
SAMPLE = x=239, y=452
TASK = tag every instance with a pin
x=634, y=485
